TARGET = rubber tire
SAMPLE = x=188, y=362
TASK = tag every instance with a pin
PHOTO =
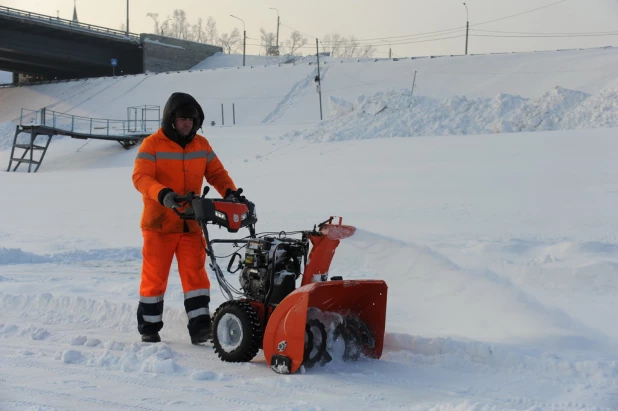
x=251, y=329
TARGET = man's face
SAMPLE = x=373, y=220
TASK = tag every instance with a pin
x=183, y=125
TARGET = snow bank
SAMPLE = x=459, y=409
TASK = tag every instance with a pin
x=401, y=114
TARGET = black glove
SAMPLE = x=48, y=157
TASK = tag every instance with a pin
x=235, y=195
x=170, y=200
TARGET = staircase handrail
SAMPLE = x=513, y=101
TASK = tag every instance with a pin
x=86, y=125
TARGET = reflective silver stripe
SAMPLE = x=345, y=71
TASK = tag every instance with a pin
x=146, y=156
x=198, y=312
x=165, y=155
x=170, y=155
x=197, y=293
x=151, y=300
x=196, y=154
x=153, y=318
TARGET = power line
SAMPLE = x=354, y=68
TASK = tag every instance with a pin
x=292, y=28
x=396, y=44
x=420, y=35
x=520, y=14
x=548, y=33
x=437, y=32
x=543, y=36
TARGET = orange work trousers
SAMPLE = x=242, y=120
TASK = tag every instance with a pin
x=158, y=252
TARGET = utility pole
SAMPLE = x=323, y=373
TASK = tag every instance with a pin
x=244, y=39
x=127, y=18
x=319, y=80
x=278, y=24
x=467, y=26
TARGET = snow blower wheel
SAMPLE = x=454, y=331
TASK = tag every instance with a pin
x=237, y=336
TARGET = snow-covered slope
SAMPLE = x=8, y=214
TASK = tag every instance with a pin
x=285, y=94
x=499, y=250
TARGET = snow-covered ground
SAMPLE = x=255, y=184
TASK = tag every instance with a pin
x=500, y=250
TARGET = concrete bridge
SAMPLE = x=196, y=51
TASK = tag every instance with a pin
x=49, y=48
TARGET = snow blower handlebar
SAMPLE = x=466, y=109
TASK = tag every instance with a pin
x=233, y=214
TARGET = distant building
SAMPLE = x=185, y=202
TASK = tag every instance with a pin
x=75, y=19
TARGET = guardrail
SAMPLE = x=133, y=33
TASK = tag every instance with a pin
x=67, y=23
x=87, y=125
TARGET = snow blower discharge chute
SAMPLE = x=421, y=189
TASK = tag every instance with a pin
x=306, y=325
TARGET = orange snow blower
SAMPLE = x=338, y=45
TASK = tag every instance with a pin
x=320, y=320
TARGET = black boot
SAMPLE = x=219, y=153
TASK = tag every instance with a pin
x=151, y=338
x=201, y=336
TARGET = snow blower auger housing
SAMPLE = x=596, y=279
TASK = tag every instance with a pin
x=311, y=324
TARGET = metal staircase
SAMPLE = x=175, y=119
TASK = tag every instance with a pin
x=29, y=148
x=140, y=123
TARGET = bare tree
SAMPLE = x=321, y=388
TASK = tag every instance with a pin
x=155, y=17
x=268, y=43
x=229, y=42
x=333, y=43
x=198, y=32
x=211, y=31
x=340, y=46
x=350, y=47
x=366, y=51
x=180, y=25
x=166, y=30
x=295, y=42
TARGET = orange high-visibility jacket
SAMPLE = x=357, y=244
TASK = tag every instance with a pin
x=162, y=163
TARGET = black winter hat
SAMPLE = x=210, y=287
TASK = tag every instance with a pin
x=180, y=105
x=187, y=111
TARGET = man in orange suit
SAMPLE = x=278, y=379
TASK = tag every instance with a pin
x=170, y=163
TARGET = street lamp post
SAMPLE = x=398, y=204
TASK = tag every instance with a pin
x=163, y=27
x=467, y=26
x=244, y=38
x=272, y=8
x=127, y=18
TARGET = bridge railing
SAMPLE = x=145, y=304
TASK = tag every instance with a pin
x=87, y=125
x=64, y=22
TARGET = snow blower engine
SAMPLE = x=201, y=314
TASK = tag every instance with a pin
x=312, y=323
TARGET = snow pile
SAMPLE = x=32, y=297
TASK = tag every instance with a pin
x=401, y=114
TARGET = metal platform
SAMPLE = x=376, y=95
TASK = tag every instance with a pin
x=128, y=133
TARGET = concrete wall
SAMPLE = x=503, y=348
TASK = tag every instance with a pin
x=167, y=54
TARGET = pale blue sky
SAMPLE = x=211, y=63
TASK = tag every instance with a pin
x=371, y=19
